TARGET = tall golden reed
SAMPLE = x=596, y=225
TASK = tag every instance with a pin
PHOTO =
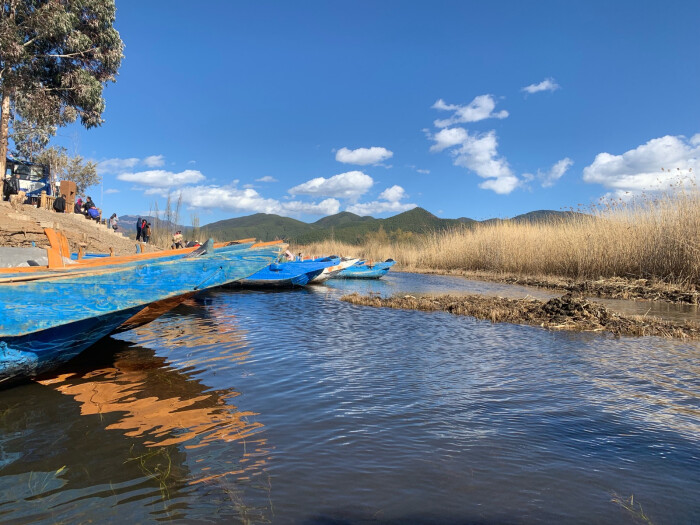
x=648, y=237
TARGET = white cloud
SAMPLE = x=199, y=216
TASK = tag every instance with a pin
x=478, y=153
x=350, y=185
x=549, y=178
x=641, y=168
x=413, y=167
x=325, y=207
x=111, y=190
x=162, y=178
x=117, y=166
x=501, y=185
x=248, y=200
x=108, y=166
x=548, y=84
x=393, y=194
x=389, y=202
x=363, y=156
x=446, y=138
x=154, y=161
x=229, y=198
x=370, y=208
x=266, y=178
x=478, y=109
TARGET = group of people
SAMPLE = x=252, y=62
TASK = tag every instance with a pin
x=87, y=208
x=143, y=230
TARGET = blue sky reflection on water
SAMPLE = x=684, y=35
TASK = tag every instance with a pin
x=298, y=407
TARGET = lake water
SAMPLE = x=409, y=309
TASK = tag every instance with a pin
x=295, y=407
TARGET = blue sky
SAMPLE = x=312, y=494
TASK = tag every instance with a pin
x=467, y=109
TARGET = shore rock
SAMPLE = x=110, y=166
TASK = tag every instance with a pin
x=569, y=312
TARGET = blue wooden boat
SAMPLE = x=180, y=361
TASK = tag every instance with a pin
x=288, y=274
x=50, y=314
x=365, y=270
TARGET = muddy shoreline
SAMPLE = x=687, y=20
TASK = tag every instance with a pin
x=611, y=288
x=569, y=312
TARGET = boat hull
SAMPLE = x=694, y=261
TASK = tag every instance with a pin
x=365, y=271
x=33, y=354
x=51, y=318
x=286, y=275
x=332, y=271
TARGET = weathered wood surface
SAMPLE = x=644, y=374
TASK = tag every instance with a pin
x=50, y=319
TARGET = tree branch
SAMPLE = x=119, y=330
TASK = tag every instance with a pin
x=69, y=55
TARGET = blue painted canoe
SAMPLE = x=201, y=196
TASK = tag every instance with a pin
x=49, y=315
x=365, y=270
x=288, y=274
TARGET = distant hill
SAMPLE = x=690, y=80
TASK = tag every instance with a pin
x=263, y=226
x=537, y=216
x=344, y=226
x=341, y=219
x=545, y=215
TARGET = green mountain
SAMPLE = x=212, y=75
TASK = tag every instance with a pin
x=545, y=215
x=263, y=226
x=350, y=228
x=341, y=219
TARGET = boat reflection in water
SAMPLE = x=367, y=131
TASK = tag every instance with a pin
x=148, y=430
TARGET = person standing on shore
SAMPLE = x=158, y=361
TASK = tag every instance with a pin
x=146, y=231
x=138, y=229
x=177, y=240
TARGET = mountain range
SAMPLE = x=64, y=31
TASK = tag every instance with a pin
x=344, y=226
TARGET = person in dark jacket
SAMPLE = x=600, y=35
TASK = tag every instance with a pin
x=146, y=231
x=11, y=187
x=88, y=204
x=59, y=204
x=138, y=229
x=78, y=208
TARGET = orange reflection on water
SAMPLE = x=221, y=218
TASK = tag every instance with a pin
x=163, y=404
x=163, y=420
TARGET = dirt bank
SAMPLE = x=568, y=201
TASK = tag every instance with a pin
x=24, y=224
x=613, y=288
x=569, y=312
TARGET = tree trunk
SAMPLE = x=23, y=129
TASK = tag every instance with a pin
x=4, y=129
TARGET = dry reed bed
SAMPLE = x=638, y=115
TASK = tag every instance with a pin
x=647, y=243
x=562, y=313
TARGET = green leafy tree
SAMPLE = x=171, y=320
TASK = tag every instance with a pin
x=83, y=173
x=64, y=167
x=56, y=159
x=30, y=138
x=55, y=58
